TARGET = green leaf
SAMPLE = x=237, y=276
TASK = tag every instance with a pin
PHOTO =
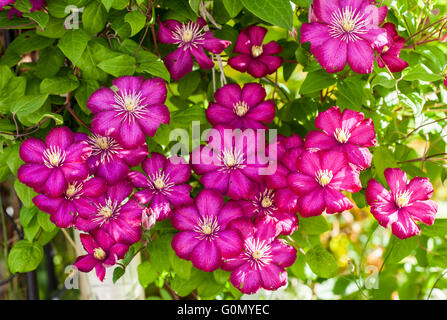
x=413, y=100
x=146, y=273
x=195, y=5
x=137, y=21
x=50, y=62
x=24, y=193
x=40, y=17
x=314, y=225
x=350, y=93
x=26, y=215
x=118, y=272
x=84, y=92
x=399, y=249
x=420, y=72
x=276, y=12
x=383, y=79
x=119, y=66
x=438, y=229
x=45, y=222
x=159, y=250
x=316, y=81
x=25, y=256
x=73, y=44
x=181, y=267
x=94, y=17
x=383, y=158
x=59, y=85
x=189, y=84
x=28, y=104
x=321, y=262
x=233, y=7
x=221, y=276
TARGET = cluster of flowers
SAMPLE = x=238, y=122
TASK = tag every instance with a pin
x=86, y=181
x=343, y=32
x=35, y=5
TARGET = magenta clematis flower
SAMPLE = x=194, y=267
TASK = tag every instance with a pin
x=204, y=238
x=51, y=165
x=264, y=205
x=263, y=259
x=288, y=150
x=35, y=5
x=229, y=163
x=255, y=58
x=241, y=108
x=343, y=32
x=320, y=178
x=110, y=160
x=192, y=40
x=102, y=252
x=347, y=132
x=164, y=184
x=406, y=203
x=114, y=213
x=132, y=108
x=64, y=209
x=388, y=54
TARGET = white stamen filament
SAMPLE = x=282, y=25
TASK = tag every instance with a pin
x=402, y=198
x=99, y=253
x=324, y=177
x=188, y=35
x=256, y=51
x=129, y=105
x=347, y=24
x=107, y=147
x=231, y=160
x=73, y=191
x=342, y=135
x=207, y=228
x=161, y=182
x=257, y=252
x=240, y=108
x=53, y=157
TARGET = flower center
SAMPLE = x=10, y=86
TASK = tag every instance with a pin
x=241, y=108
x=347, y=24
x=106, y=147
x=160, y=182
x=207, y=228
x=323, y=177
x=257, y=252
x=188, y=35
x=402, y=198
x=256, y=51
x=73, y=190
x=99, y=253
x=106, y=212
x=231, y=160
x=342, y=135
x=102, y=143
x=266, y=202
x=53, y=157
x=129, y=105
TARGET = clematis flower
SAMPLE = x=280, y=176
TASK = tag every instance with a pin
x=114, y=213
x=241, y=108
x=51, y=165
x=35, y=5
x=255, y=58
x=263, y=259
x=320, y=178
x=64, y=209
x=204, y=238
x=264, y=205
x=192, y=41
x=110, y=160
x=132, y=108
x=347, y=132
x=388, y=54
x=102, y=252
x=230, y=163
x=405, y=203
x=343, y=32
x=164, y=184
x=288, y=150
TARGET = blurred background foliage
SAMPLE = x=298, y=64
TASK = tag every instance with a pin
x=47, y=74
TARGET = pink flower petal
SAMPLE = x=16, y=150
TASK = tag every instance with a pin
x=420, y=188
x=202, y=59
x=113, y=171
x=423, y=211
x=229, y=243
x=405, y=227
x=323, y=9
x=209, y=203
x=360, y=56
x=273, y=277
x=312, y=203
x=179, y=63
x=257, y=69
x=240, y=62
x=397, y=179
x=106, y=123
x=131, y=134
x=283, y=255
x=205, y=256
x=332, y=55
x=102, y=99
x=185, y=218
x=253, y=94
x=336, y=202
x=31, y=150
x=228, y=95
x=61, y=137
x=184, y=243
x=154, y=115
x=213, y=44
x=246, y=279
x=315, y=33
x=154, y=91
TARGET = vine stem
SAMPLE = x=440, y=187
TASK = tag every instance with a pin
x=436, y=282
x=73, y=244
